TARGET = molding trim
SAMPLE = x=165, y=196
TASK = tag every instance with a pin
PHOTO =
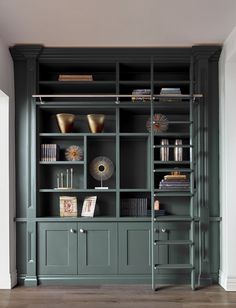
x=31, y=281
x=8, y=281
x=227, y=282
x=22, y=52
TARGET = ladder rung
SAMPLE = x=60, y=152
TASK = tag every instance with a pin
x=173, y=266
x=172, y=193
x=173, y=242
x=173, y=122
x=172, y=169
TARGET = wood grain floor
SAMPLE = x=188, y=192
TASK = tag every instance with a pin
x=117, y=296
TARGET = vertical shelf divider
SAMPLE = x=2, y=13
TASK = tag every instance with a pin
x=85, y=161
x=117, y=162
x=117, y=143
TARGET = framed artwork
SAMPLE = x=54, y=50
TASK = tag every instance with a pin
x=89, y=206
x=68, y=206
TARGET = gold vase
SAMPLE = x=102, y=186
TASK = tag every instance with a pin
x=96, y=122
x=65, y=122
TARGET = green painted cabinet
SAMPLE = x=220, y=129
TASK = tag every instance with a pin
x=57, y=248
x=134, y=248
x=115, y=245
x=97, y=248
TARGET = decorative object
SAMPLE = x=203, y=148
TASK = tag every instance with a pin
x=159, y=122
x=69, y=179
x=65, y=122
x=96, y=122
x=101, y=168
x=164, y=151
x=178, y=150
x=68, y=206
x=156, y=205
x=73, y=153
x=89, y=206
x=139, y=95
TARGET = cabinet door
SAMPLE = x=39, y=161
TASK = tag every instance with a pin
x=97, y=248
x=134, y=248
x=57, y=248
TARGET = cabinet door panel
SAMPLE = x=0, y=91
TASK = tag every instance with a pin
x=97, y=248
x=134, y=248
x=57, y=248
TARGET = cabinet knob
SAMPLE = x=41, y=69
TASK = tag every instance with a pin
x=81, y=230
x=163, y=230
x=72, y=231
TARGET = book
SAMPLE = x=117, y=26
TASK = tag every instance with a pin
x=49, y=152
x=175, y=177
x=73, y=77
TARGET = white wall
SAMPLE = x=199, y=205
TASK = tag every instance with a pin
x=7, y=174
x=227, y=79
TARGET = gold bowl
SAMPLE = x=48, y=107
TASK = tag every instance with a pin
x=96, y=122
x=65, y=122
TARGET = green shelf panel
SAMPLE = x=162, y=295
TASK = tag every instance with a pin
x=76, y=135
x=171, y=82
x=135, y=82
x=162, y=193
x=61, y=162
x=172, y=162
x=146, y=135
x=173, y=266
x=173, y=242
x=172, y=218
x=179, y=135
x=134, y=190
x=86, y=219
x=64, y=83
x=172, y=146
x=173, y=169
x=45, y=190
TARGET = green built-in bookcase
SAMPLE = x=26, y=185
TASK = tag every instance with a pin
x=117, y=246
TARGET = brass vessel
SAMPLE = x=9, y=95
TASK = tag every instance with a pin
x=96, y=122
x=65, y=122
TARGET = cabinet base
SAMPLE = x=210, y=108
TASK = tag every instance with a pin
x=109, y=279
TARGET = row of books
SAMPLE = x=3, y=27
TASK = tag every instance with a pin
x=134, y=207
x=50, y=152
x=138, y=93
x=73, y=77
x=157, y=213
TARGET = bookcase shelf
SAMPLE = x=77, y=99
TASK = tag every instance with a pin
x=117, y=244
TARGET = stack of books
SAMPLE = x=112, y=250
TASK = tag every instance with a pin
x=177, y=182
x=138, y=94
x=72, y=77
x=169, y=92
x=134, y=207
x=50, y=152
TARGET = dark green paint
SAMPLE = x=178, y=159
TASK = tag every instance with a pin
x=34, y=66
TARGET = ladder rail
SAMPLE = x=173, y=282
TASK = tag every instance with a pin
x=191, y=152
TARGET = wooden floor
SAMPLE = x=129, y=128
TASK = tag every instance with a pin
x=117, y=296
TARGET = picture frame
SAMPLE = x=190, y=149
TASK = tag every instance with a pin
x=89, y=206
x=68, y=206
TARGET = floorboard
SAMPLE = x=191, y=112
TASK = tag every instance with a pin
x=117, y=296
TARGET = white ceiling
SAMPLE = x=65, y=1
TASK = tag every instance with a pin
x=116, y=22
